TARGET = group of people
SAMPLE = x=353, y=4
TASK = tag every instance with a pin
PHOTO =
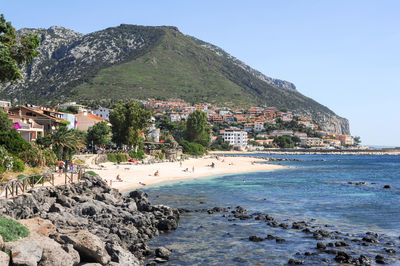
x=62, y=165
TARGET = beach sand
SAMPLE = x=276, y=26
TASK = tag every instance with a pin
x=134, y=176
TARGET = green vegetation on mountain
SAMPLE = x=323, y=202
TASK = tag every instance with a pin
x=140, y=62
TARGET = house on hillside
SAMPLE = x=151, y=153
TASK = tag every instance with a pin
x=102, y=112
x=5, y=105
x=235, y=137
x=27, y=127
x=84, y=120
x=48, y=121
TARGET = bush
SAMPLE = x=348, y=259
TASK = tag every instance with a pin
x=6, y=161
x=11, y=230
x=18, y=165
x=91, y=173
x=112, y=157
x=122, y=157
x=37, y=157
x=137, y=155
x=117, y=157
x=13, y=142
x=159, y=156
x=192, y=148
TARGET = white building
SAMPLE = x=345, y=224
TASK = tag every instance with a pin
x=258, y=126
x=103, y=113
x=174, y=117
x=311, y=142
x=5, y=104
x=236, y=137
x=154, y=133
x=278, y=133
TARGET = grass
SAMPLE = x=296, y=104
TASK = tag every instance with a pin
x=11, y=230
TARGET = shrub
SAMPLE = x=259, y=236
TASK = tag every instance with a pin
x=192, y=148
x=122, y=157
x=18, y=165
x=159, y=156
x=21, y=176
x=11, y=230
x=112, y=157
x=6, y=161
x=37, y=157
x=137, y=155
x=13, y=142
x=117, y=157
x=91, y=173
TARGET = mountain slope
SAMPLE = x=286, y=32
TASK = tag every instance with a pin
x=140, y=62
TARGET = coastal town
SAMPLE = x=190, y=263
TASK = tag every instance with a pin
x=252, y=129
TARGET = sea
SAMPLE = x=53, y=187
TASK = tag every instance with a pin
x=323, y=190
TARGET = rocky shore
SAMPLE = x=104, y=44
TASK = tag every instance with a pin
x=332, y=246
x=85, y=223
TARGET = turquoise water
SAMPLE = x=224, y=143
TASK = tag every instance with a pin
x=314, y=188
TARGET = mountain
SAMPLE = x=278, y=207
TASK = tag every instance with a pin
x=139, y=62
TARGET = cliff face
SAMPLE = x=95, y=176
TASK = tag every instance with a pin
x=131, y=61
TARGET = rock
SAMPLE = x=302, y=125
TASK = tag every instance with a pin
x=284, y=226
x=160, y=260
x=321, y=245
x=380, y=259
x=255, y=238
x=343, y=257
x=390, y=250
x=89, y=246
x=56, y=208
x=270, y=237
x=279, y=240
x=38, y=226
x=167, y=225
x=370, y=239
x=121, y=256
x=163, y=252
x=69, y=248
x=295, y=262
x=25, y=252
x=387, y=187
x=1, y=243
x=54, y=254
x=4, y=259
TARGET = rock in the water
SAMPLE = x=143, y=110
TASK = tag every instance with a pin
x=295, y=262
x=255, y=238
x=387, y=186
x=163, y=252
x=321, y=245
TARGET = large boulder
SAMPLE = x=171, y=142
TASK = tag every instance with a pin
x=38, y=226
x=39, y=250
x=4, y=259
x=121, y=256
x=89, y=246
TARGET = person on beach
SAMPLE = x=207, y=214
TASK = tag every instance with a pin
x=119, y=179
x=60, y=166
x=193, y=169
x=71, y=167
x=180, y=163
x=156, y=173
x=212, y=164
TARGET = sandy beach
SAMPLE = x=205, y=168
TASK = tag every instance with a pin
x=134, y=176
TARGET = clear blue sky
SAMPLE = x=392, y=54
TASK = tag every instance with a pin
x=344, y=54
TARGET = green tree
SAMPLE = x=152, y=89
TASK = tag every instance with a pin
x=13, y=142
x=128, y=121
x=5, y=122
x=357, y=140
x=15, y=51
x=98, y=134
x=196, y=128
x=66, y=141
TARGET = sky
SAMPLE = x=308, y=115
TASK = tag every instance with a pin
x=343, y=54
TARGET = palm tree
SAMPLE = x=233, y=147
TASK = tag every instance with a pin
x=66, y=140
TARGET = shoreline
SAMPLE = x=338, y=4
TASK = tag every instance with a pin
x=310, y=152
x=135, y=175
